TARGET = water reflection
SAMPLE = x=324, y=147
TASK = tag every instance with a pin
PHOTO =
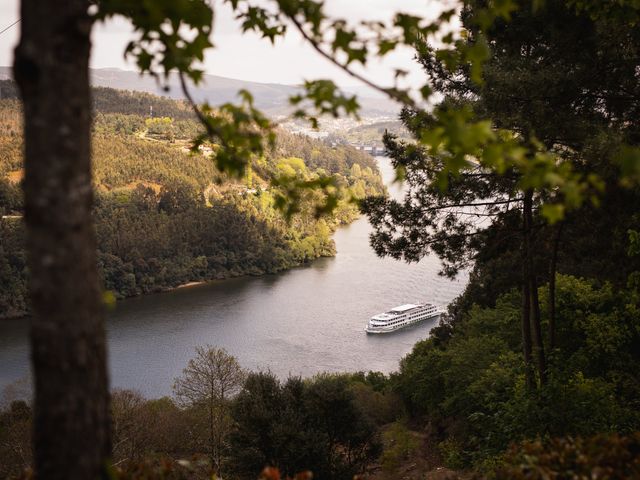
x=302, y=321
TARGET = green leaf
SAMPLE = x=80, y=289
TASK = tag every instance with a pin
x=553, y=212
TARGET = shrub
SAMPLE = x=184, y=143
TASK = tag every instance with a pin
x=611, y=457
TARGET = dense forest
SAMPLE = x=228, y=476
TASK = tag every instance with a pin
x=542, y=351
x=165, y=217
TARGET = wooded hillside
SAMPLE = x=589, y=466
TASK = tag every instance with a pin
x=166, y=216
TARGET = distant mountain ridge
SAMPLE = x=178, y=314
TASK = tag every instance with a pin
x=272, y=98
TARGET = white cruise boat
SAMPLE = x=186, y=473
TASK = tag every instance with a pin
x=402, y=316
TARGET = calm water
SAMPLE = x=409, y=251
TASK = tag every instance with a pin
x=303, y=321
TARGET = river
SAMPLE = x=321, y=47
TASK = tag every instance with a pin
x=300, y=322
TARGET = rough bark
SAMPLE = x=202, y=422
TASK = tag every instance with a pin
x=68, y=350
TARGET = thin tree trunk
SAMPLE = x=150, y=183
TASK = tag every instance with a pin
x=68, y=350
x=218, y=443
x=212, y=452
x=220, y=433
x=537, y=331
x=552, y=287
x=538, y=345
x=526, y=308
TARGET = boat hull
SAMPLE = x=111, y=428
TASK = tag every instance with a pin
x=376, y=331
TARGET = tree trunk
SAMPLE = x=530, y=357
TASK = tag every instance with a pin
x=526, y=309
x=220, y=429
x=212, y=448
x=538, y=345
x=552, y=287
x=537, y=331
x=68, y=350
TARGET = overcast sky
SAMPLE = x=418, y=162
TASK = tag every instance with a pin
x=246, y=56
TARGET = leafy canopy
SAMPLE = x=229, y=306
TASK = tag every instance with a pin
x=173, y=35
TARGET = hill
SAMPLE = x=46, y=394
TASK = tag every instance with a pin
x=372, y=133
x=272, y=98
x=165, y=216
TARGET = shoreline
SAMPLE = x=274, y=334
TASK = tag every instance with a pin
x=342, y=223
x=194, y=283
x=187, y=285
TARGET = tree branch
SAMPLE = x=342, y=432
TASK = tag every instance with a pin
x=480, y=204
x=201, y=116
x=405, y=100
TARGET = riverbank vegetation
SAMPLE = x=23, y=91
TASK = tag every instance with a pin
x=234, y=422
x=165, y=217
x=543, y=347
